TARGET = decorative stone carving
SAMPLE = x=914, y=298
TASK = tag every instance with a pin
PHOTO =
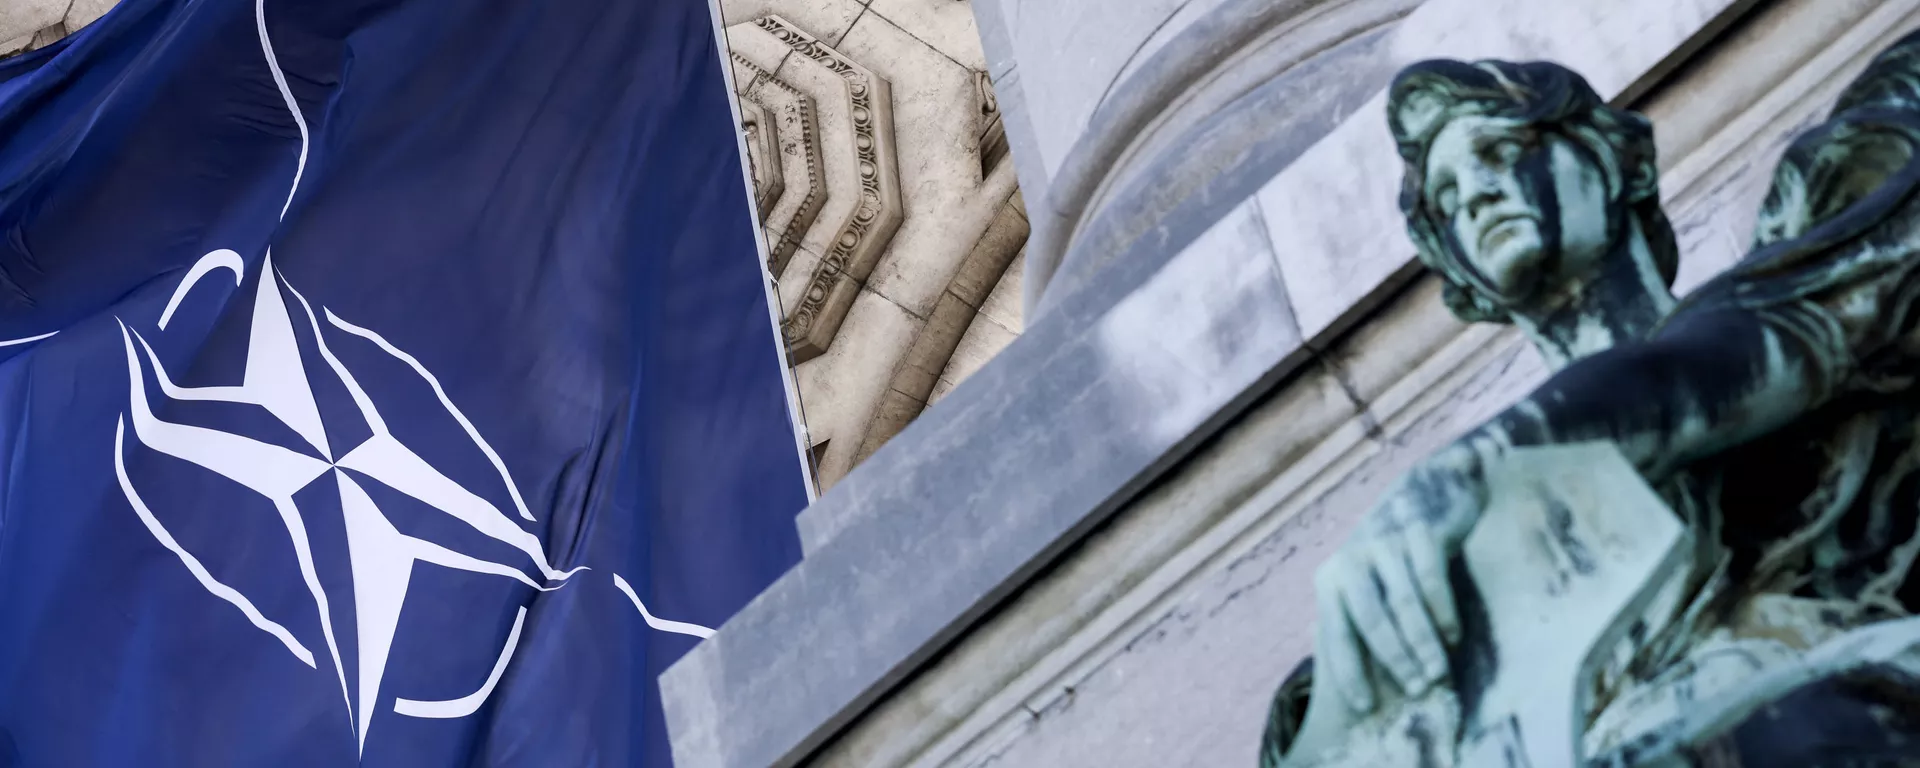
x=762, y=157
x=851, y=254
x=796, y=134
x=993, y=138
x=1769, y=424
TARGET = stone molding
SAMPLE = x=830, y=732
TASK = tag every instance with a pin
x=913, y=383
x=32, y=24
x=809, y=327
x=763, y=156
x=1189, y=59
x=1229, y=132
x=993, y=138
x=786, y=219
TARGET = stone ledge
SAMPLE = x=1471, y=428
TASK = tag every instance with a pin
x=1025, y=456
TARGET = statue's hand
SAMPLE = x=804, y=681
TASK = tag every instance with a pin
x=1384, y=597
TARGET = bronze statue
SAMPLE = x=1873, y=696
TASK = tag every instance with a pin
x=1774, y=411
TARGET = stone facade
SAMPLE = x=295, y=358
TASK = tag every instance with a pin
x=891, y=213
x=889, y=203
x=1099, y=550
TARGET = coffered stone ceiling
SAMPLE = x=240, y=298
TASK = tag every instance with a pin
x=889, y=203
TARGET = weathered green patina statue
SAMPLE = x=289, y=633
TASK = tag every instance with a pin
x=1774, y=414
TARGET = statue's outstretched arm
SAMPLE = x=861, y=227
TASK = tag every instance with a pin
x=1711, y=379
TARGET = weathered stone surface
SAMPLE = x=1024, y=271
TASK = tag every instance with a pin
x=1014, y=674
x=798, y=149
x=827, y=20
x=1003, y=302
x=84, y=12
x=849, y=248
x=1236, y=628
x=1206, y=139
x=1072, y=53
x=944, y=25
x=823, y=642
x=840, y=389
x=987, y=264
x=946, y=206
x=983, y=340
x=763, y=160
x=996, y=326
x=23, y=18
x=943, y=333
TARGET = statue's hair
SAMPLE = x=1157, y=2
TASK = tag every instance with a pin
x=1548, y=98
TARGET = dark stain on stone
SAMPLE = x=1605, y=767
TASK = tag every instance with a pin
x=1473, y=663
x=1867, y=716
x=1426, y=745
x=1560, y=523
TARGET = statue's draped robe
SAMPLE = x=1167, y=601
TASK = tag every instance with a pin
x=1807, y=535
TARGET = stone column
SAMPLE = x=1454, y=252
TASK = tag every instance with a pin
x=1141, y=124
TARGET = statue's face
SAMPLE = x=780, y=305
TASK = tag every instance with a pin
x=1476, y=183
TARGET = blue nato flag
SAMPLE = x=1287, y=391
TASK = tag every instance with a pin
x=382, y=382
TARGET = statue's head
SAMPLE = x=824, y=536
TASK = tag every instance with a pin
x=1520, y=181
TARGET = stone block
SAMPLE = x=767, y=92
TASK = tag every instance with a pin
x=944, y=25
x=840, y=389
x=84, y=12
x=1003, y=302
x=937, y=527
x=988, y=261
x=946, y=204
x=1209, y=657
x=792, y=285
x=827, y=20
x=983, y=340
x=1071, y=53
x=23, y=18
x=934, y=347
x=941, y=389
